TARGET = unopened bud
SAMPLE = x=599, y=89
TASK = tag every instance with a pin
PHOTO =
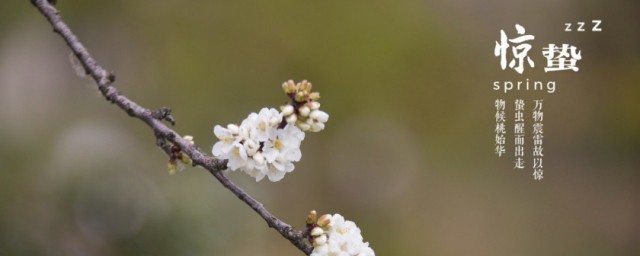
x=303, y=126
x=287, y=110
x=314, y=96
x=304, y=86
x=172, y=168
x=319, y=116
x=233, y=129
x=188, y=138
x=324, y=220
x=289, y=87
x=316, y=127
x=292, y=119
x=314, y=105
x=317, y=231
x=312, y=217
x=301, y=96
x=320, y=240
x=304, y=111
x=186, y=159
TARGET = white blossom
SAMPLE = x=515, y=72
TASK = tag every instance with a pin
x=227, y=139
x=267, y=143
x=316, y=120
x=284, y=143
x=259, y=147
x=261, y=125
x=319, y=116
x=251, y=146
x=237, y=157
x=340, y=237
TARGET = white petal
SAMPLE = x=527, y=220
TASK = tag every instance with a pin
x=235, y=163
x=218, y=149
x=233, y=129
x=259, y=158
x=320, y=116
x=263, y=112
x=279, y=165
x=295, y=132
x=220, y=132
x=317, y=127
x=294, y=155
x=321, y=240
x=288, y=167
x=270, y=154
x=275, y=175
x=304, y=126
x=241, y=151
x=251, y=146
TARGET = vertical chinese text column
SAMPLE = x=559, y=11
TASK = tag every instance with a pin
x=538, y=117
x=500, y=129
x=518, y=132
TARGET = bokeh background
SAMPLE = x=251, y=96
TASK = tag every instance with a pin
x=407, y=153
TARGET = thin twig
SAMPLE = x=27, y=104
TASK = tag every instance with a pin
x=165, y=136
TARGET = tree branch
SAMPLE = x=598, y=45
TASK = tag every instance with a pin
x=165, y=136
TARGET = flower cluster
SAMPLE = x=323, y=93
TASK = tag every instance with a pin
x=268, y=143
x=333, y=235
x=258, y=146
x=304, y=108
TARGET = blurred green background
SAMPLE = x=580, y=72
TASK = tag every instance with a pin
x=407, y=153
